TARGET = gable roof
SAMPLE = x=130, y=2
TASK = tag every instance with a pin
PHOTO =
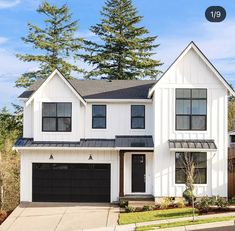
x=193, y=46
x=102, y=89
x=30, y=93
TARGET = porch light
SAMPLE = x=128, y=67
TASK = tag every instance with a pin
x=51, y=157
x=90, y=157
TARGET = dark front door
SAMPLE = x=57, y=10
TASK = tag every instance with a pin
x=71, y=182
x=138, y=173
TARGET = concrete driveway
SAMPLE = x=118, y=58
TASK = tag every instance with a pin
x=60, y=217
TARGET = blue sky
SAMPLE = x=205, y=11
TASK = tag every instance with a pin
x=175, y=22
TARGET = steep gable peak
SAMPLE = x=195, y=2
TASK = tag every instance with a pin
x=56, y=74
x=211, y=67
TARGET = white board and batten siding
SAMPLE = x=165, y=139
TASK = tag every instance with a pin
x=190, y=72
x=55, y=90
x=118, y=116
x=118, y=121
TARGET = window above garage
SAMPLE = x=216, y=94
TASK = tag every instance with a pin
x=56, y=117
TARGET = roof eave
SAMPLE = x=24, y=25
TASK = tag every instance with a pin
x=119, y=100
x=83, y=148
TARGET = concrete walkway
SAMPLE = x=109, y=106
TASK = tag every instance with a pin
x=90, y=217
x=60, y=217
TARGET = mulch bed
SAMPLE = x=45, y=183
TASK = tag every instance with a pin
x=4, y=215
x=211, y=211
x=218, y=210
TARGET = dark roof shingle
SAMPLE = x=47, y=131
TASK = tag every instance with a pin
x=103, y=89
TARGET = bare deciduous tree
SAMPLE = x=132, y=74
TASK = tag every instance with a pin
x=190, y=173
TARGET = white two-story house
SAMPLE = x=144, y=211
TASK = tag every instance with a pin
x=99, y=140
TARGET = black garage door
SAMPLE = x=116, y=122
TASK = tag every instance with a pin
x=71, y=182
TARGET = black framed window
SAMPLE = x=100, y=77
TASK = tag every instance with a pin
x=98, y=116
x=191, y=109
x=232, y=138
x=137, y=116
x=56, y=117
x=200, y=162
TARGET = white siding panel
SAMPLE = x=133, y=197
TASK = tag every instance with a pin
x=57, y=91
x=118, y=121
x=190, y=72
x=28, y=121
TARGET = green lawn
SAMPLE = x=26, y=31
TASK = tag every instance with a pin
x=128, y=218
x=183, y=223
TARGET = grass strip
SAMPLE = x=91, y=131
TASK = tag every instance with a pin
x=185, y=223
x=155, y=215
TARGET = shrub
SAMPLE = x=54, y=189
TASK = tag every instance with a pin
x=180, y=203
x=147, y=208
x=188, y=195
x=203, y=205
x=221, y=202
x=231, y=201
x=129, y=209
x=3, y=216
x=165, y=203
x=123, y=203
x=10, y=172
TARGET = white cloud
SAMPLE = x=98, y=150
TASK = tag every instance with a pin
x=85, y=34
x=11, y=66
x=3, y=40
x=216, y=40
x=8, y=3
x=10, y=69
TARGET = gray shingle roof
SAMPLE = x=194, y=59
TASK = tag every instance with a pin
x=103, y=89
x=118, y=142
x=192, y=144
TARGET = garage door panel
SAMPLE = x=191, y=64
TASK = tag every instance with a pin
x=71, y=182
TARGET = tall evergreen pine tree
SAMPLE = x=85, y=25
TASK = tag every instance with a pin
x=126, y=49
x=55, y=44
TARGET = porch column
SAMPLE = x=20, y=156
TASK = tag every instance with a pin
x=121, y=173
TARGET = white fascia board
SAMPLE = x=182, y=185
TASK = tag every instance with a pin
x=82, y=148
x=206, y=61
x=66, y=82
x=192, y=150
x=119, y=100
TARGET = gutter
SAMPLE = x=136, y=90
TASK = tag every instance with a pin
x=85, y=148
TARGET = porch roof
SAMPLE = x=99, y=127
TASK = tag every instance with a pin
x=120, y=142
x=192, y=145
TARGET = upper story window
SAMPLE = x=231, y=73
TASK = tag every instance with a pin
x=98, y=116
x=137, y=117
x=191, y=109
x=198, y=159
x=232, y=137
x=56, y=117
